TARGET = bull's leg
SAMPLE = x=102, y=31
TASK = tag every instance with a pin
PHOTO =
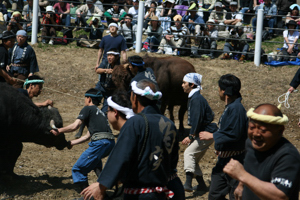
x=163, y=107
x=9, y=154
x=170, y=108
x=181, y=113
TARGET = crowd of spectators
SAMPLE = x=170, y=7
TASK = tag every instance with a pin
x=170, y=26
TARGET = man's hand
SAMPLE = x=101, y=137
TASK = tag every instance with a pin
x=109, y=71
x=48, y=102
x=168, y=37
x=7, y=68
x=55, y=132
x=115, y=19
x=93, y=191
x=204, y=135
x=290, y=50
x=234, y=169
x=291, y=89
x=238, y=192
x=186, y=141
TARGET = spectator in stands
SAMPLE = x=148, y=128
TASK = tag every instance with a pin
x=283, y=7
x=270, y=10
x=16, y=22
x=168, y=9
x=293, y=15
x=28, y=14
x=3, y=13
x=128, y=30
x=193, y=20
x=127, y=5
x=208, y=6
x=99, y=5
x=237, y=42
x=246, y=6
x=134, y=11
x=233, y=18
x=154, y=33
x=175, y=36
x=210, y=36
x=95, y=33
x=86, y=12
x=43, y=4
x=50, y=22
x=226, y=4
x=114, y=14
x=219, y=16
x=15, y=5
x=63, y=9
x=150, y=13
x=290, y=46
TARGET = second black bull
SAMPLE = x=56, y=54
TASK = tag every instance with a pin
x=22, y=121
x=169, y=72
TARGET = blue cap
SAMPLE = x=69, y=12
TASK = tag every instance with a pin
x=22, y=32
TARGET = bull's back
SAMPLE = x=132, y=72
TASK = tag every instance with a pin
x=169, y=73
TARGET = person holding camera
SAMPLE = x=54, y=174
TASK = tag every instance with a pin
x=15, y=22
x=50, y=22
x=115, y=14
x=208, y=40
x=95, y=33
x=270, y=10
x=85, y=12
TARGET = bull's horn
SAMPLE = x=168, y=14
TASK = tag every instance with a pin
x=52, y=124
x=49, y=107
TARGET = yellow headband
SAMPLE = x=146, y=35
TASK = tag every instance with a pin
x=268, y=118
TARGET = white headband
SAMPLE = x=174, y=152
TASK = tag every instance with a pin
x=147, y=92
x=127, y=111
x=113, y=52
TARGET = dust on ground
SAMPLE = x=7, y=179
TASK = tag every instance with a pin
x=47, y=172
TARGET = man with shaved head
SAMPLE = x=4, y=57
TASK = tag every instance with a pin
x=272, y=164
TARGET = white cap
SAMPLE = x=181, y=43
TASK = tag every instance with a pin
x=171, y=1
x=49, y=9
x=113, y=24
x=210, y=21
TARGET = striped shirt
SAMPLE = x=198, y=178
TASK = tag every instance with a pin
x=178, y=33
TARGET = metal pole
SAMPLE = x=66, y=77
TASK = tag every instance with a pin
x=258, y=36
x=35, y=19
x=138, y=43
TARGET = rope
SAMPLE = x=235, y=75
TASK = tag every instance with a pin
x=286, y=99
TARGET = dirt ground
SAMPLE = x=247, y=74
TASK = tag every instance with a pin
x=69, y=72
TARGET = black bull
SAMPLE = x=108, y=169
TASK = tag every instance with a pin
x=169, y=73
x=22, y=121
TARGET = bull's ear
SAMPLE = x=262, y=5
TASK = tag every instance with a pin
x=52, y=124
x=49, y=107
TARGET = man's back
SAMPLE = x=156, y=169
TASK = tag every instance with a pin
x=160, y=155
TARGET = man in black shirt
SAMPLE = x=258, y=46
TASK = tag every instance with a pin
x=8, y=41
x=102, y=139
x=272, y=164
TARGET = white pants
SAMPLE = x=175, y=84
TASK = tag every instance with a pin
x=193, y=154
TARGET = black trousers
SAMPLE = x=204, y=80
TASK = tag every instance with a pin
x=221, y=183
